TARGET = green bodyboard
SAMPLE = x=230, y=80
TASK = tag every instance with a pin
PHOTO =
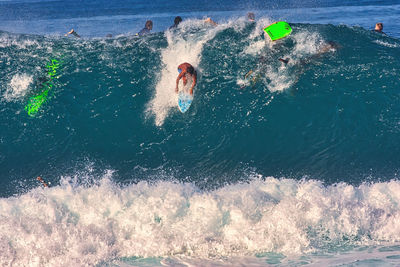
x=278, y=30
x=35, y=102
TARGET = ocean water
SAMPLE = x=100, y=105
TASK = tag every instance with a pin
x=297, y=165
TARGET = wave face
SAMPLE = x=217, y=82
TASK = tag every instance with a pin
x=332, y=115
x=169, y=224
x=136, y=182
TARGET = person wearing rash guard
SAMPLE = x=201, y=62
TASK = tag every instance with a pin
x=185, y=71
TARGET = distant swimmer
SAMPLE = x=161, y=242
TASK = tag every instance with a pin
x=73, y=32
x=210, y=21
x=177, y=20
x=251, y=17
x=379, y=27
x=147, y=28
x=185, y=70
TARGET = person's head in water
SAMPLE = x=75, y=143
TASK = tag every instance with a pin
x=251, y=16
x=379, y=27
x=149, y=25
x=177, y=20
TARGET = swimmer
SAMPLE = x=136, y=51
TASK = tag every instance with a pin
x=210, y=21
x=73, y=32
x=177, y=20
x=185, y=70
x=379, y=27
x=147, y=28
x=251, y=17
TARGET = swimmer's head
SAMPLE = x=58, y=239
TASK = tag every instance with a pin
x=177, y=20
x=250, y=16
x=149, y=25
x=379, y=27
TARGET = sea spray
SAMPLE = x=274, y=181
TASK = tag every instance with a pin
x=184, y=45
x=74, y=224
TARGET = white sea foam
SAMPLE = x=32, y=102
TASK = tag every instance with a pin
x=279, y=76
x=391, y=45
x=257, y=45
x=18, y=86
x=183, y=46
x=7, y=40
x=306, y=43
x=72, y=225
x=283, y=77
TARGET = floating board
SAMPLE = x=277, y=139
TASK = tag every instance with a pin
x=35, y=102
x=184, y=97
x=278, y=30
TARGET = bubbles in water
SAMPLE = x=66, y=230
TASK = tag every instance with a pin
x=18, y=86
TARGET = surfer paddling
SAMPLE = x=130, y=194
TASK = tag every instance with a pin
x=186, y=71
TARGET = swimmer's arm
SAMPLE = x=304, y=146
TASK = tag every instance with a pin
x=74, y=33
x=248, y=73
x=177, y=81
x=209, y=20
x=194, y=82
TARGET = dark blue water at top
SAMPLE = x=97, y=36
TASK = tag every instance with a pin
x=98, y=18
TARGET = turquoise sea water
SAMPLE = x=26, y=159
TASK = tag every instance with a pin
x=297, y=166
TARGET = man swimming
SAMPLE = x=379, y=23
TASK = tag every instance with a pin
x=379, y=27
x=147, y=28
x=210, y=21
x=177, y=20
x=251, y=17
x=74, y=33
x=185, y=70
